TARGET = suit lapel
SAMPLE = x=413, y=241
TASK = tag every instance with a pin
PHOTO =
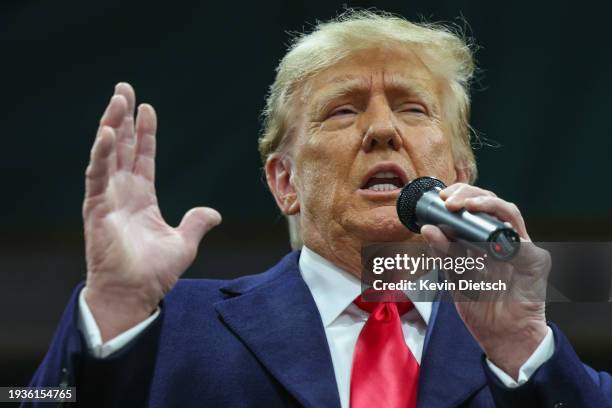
x=275, y=315
x=451, y=367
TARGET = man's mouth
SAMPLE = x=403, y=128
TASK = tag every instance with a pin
x=383, y=178
x=383, y=181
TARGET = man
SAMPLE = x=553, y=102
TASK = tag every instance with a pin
x=359, y=107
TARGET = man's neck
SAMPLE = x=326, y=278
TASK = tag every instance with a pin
x=345, y=253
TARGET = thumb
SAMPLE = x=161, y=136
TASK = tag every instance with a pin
x=435, y=238
x=197, y=222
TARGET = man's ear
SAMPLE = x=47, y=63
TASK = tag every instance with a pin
x=279, y=171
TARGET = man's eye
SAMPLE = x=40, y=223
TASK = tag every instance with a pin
x=342, y=112
x=413, y=108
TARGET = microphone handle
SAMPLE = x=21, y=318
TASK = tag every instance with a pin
x=479, y=231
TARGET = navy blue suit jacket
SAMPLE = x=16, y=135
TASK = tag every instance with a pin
x=258, y=341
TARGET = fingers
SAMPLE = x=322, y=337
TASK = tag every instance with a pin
x=197, y=222
x=115, y=111
x=125, y=131
x=124, y=89
x=135, y=144
x=146, y=127
x=476, y=199
x=435, y=238
x=112, y=117
x=454, y=196
x=448, y=191
x=501, y=209
x=96, y=176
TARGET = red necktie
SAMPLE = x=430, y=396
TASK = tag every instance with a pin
x=385, y=373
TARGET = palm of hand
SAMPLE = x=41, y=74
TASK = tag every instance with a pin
x=128, y=240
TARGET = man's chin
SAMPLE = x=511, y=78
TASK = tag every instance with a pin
x=387, y=234
x=382, y=225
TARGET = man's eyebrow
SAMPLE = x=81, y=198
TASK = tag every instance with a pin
x=340, y=86
x=410, y=87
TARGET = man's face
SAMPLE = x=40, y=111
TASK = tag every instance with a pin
x=369, y=124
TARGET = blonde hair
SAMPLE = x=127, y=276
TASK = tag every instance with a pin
x=446, y=51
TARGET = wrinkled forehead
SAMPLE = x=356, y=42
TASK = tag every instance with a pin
x=390, y=68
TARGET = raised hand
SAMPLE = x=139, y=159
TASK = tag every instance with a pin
x=133, y=256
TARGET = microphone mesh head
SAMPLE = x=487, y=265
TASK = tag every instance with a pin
x=410, y=195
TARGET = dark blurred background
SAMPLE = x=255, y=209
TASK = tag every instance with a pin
x=543, y=98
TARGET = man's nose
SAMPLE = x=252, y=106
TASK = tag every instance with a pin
x=381, y=132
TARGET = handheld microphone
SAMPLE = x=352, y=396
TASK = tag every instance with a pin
x=419, y=203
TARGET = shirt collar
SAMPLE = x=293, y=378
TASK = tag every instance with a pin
x=334, y=289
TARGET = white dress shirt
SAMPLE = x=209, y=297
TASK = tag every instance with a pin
x=334, y=291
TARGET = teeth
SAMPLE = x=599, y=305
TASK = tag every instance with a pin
x=385, y=174
x=382, y=187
